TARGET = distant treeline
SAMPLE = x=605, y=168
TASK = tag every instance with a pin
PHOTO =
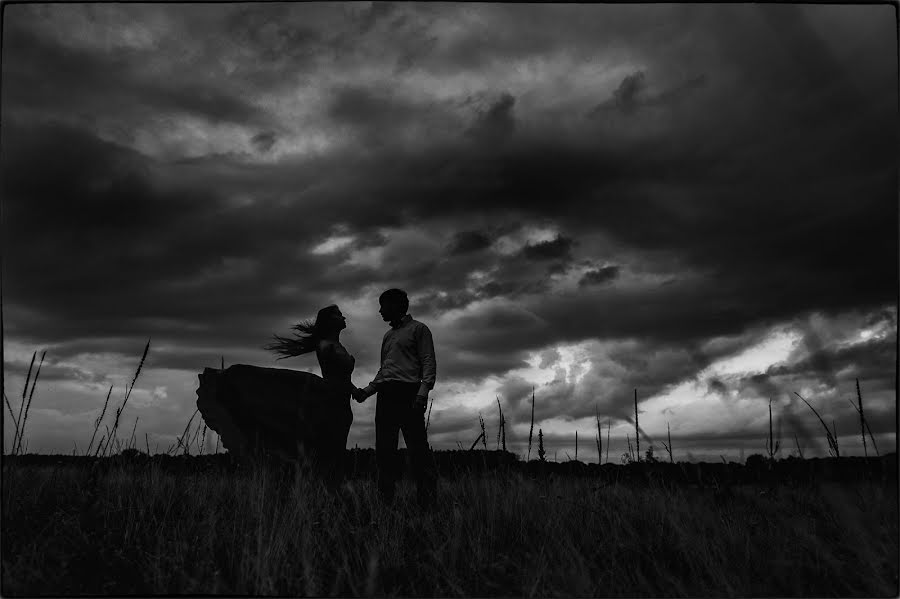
x=360, y=463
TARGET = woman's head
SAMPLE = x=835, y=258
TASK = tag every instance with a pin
x=330, y=320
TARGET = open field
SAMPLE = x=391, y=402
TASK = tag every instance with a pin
x=218, y=526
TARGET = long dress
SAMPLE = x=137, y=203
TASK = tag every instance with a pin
x=337, y=367
x=289, y=413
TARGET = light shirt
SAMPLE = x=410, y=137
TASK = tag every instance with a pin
x=407, y=356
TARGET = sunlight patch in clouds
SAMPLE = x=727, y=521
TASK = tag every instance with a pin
x=333, y=244
x=514, y=242
x=775, y=349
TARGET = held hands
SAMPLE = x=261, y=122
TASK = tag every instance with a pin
x=358, y=394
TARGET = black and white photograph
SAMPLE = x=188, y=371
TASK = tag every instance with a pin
x=449, y=299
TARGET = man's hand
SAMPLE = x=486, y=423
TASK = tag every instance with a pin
x=358, y=394
x=421, y=402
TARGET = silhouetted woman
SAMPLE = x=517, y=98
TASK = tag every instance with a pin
x=323, y=337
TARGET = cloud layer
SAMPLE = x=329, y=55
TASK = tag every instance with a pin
x=659, y=187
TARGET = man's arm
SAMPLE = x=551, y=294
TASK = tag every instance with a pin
x=372, y=387
x=425, y=349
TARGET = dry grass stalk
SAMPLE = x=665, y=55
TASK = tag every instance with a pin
x=668, y=445
x=863, y=421
x=542, y=455
x=428, y=419
x=608, y=427
x=637, y=434
x=130, y=389
x=24, y=395
x=630, y=448
x=483, y=431
x=531, y=430
x=99, y=446
x=12, y=417
x=133, y=429
x=797, y=442
x=21, y=427
x=196, y=437
x=477, y=439
x=203, y=439
x=772, y=446
x=832, y=438
x=599, y=435
x=501, y=433
x=108, y=439
x=97, y=421
x=193, y=436
x=180, y=440
x=147, y=442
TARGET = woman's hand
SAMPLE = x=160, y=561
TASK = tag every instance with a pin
x=358, y=394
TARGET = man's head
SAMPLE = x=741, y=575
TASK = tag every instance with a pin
x=394, y=305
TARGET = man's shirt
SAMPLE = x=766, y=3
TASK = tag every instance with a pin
x=407, y=355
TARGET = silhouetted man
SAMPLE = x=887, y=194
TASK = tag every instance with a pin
x=407, y=373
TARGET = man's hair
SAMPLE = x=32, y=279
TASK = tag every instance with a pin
x=396, y=297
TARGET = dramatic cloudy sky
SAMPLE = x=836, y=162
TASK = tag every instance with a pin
x=696, y=201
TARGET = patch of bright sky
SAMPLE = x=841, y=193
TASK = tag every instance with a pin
x=879, y=331
x=774, y=349
x=333, y=244
x=530, y=235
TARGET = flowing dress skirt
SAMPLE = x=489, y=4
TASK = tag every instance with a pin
x=290, y=413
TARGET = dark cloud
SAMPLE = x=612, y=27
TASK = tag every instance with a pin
x=632, y=94
x=116, y=82
x=264, y=140
x=378, y=11
x=717, y=170
x=272, y=34
x=497, y=122
x=716, y=386
x=629, y=92
x=469, y=241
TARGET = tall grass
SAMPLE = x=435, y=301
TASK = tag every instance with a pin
x=111, y=437
x=97, y=421
x=265, y=531
x=531, y=430
x=830, y=436
x=23, y=415
x=637, y=433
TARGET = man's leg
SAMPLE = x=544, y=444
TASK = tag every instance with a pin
x=387, y=429
x=413, y=426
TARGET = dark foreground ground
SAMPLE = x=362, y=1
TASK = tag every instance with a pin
x=217, y=525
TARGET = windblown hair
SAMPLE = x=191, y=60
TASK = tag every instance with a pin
x=307, y=334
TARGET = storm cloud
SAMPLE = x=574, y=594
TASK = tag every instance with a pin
x=641, y=193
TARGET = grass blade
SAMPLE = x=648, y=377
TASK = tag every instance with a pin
x=531, y=430
x=97, y=422
x=130, y=389
x=832, y=442
x=30, y=396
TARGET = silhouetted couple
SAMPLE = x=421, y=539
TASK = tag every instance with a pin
x=404, y=379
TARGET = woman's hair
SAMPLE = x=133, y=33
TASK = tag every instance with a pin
x=307, y=335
